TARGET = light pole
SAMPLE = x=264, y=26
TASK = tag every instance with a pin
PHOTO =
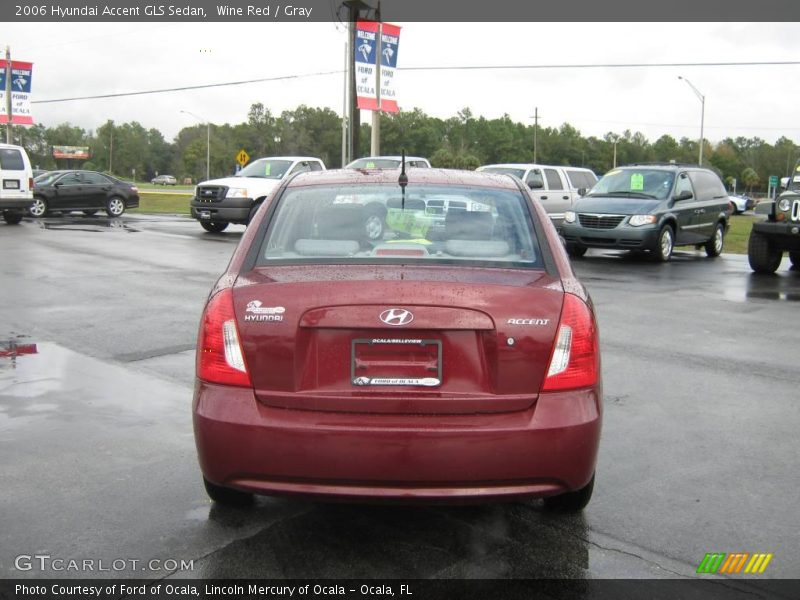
x=208, y=142
x=702, y=113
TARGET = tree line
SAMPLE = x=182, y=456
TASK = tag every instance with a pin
x=463, y=141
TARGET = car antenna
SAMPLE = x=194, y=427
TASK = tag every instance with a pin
x=402, y=181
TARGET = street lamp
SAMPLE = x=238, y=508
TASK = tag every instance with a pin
x=702, y=113
x=208, y=142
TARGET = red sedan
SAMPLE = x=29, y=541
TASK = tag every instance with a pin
x=454, y=357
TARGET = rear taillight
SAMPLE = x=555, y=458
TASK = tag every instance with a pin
x=30, y=183
x=219, y=351
x=575, y=362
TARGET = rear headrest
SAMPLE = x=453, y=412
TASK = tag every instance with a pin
x=465, y=225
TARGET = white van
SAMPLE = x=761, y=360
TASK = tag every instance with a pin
x=556, y=188
x=16, y=187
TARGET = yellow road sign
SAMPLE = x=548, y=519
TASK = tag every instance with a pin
x=242, y=157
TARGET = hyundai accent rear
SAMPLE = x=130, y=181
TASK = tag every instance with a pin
x=456, y=362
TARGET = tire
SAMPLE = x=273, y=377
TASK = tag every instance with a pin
x=794, y=256
x=115, y=206
x=213, y=227
x=253, y=212
x=763, y=258
x=571, y=501
x=226, y=496
x=665, y=244
x=374, y=225
x=90, y=213
x=11, y=217
x=39, y=207
x=717, y=242
x=576, y=251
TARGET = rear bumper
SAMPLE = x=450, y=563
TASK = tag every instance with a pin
x=546, y=450
x=15, y=204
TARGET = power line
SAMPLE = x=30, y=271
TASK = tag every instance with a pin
x=428, y=68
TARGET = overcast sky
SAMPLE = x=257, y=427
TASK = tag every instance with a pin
x=100, y=58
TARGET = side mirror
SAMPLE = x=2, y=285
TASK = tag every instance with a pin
x=536, y=185
x=684, y=195
x=582, y=191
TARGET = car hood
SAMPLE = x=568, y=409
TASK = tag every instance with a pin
x=255, y=186
x=616, y=205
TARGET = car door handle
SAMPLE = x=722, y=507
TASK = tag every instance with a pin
x=543, y=197
x=565, y=197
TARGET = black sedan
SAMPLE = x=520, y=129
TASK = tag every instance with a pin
x=87, y=191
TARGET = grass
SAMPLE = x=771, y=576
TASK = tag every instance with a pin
x=739, y=232
x=173, y=204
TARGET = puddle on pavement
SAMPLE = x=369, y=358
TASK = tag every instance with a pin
x=783, y=286
x=94, y=224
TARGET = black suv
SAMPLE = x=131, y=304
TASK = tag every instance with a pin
x=652, y=207
x=780, y=232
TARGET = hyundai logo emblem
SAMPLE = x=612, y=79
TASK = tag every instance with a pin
x=396, y=316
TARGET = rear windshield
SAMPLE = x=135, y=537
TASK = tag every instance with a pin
x=650, y=183
x=11, y=160
x=374, y=224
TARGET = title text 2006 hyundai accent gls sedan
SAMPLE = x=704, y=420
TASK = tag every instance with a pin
x=454, y=361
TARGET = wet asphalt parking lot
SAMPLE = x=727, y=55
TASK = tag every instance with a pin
x=699, y=452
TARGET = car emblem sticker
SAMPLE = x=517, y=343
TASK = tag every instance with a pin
x=396, y=316
x=528, y=321
x=258, y=313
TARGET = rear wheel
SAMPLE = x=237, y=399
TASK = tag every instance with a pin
x=225, y=495
x=571, y=501
x=666, y=242
x=763, y=258
x=38, y=208
x=11, y=217
x=212, y=226
x=115, y=206
x=794, y=256
x=374, y=224
x=576, y=251
x=715, y=244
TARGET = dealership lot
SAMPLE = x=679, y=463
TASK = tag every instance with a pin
x=698, y=454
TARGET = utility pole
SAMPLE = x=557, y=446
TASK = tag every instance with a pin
x=375, y=140
x=111, y=149
x=535, y=130
x=8, y=94
x=345, y=145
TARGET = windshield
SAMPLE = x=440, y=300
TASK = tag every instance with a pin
x=371, y=224
x=505, y=171
x=640, y=183
x=267, y=168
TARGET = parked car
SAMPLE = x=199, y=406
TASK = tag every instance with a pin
x=87, y=191
x=405, y=367
x=17, y=182
x=557, y=188
x=164, y=180
x=740, y=203
x=652, y=207
x=388, y=162
x=779, y=232
x=37, y=172
x=236, y=199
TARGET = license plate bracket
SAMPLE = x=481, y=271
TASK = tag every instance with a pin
x=396, y=362
x=10, y=184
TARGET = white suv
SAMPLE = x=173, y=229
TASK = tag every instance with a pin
x=556, y=188
x=16, y=190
